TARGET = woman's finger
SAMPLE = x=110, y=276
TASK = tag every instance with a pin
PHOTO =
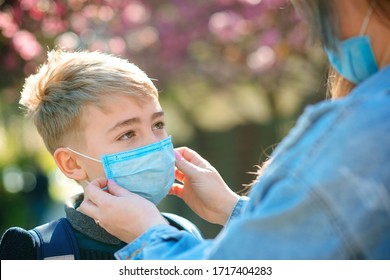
x=100, y=182
x=190, y=156
x=179, y=175
x=93, y=191
x=177, y=190
x=187, y=167
x=115, y=189
x=88, y=208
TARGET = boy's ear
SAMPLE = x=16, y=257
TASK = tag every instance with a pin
x=67, y=163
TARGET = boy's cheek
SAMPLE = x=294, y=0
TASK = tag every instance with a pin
x=95, y=172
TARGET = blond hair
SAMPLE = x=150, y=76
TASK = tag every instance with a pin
x=55, y=96
x=338, y=86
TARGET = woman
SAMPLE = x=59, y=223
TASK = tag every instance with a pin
x=325, y=193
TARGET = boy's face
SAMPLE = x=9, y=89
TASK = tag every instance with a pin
x=124, y=123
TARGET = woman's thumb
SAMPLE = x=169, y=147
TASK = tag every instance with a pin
x=185, y=166
x=115, y=189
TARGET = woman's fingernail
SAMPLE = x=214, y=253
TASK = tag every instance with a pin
x=110, y=182
x=177, y=155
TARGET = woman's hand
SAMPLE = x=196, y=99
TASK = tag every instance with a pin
x=123, y=214
x=203, y=189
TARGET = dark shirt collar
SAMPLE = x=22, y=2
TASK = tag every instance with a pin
x=85, y=224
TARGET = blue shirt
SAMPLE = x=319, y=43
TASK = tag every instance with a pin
x=325, y=195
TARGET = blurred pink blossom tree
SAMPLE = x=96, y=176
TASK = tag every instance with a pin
x=164, y=36
x=218, y=42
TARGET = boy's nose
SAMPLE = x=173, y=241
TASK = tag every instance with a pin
x=151, y=138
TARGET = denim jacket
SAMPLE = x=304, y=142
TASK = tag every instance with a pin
x=325, y=195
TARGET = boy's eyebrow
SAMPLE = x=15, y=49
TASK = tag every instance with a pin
x=157, y=115
x=132, y=121
x=127, y=122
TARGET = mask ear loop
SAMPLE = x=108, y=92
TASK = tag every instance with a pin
x=367, y=19
x=80, y=154
x=88, y=157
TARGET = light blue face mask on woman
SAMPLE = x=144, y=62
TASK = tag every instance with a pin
x=354, y=59
x=148, y=171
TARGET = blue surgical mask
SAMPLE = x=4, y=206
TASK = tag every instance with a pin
x=148, y=171
x=354, y=58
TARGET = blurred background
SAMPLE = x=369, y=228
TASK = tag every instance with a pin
x=233, y=76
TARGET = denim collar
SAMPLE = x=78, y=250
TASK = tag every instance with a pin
x=380, y=81
x=85, y=224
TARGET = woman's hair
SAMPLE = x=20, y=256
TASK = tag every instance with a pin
x=319, y=15
x=337, y=85
x=57, y=94
x=324, y=24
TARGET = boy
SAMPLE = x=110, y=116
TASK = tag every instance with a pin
x=99, y=116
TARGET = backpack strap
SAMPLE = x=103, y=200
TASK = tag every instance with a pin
x=183, y=224
x=56, y=240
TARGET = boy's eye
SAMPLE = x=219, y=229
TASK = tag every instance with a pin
x=159, y=125
x=127, y=135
